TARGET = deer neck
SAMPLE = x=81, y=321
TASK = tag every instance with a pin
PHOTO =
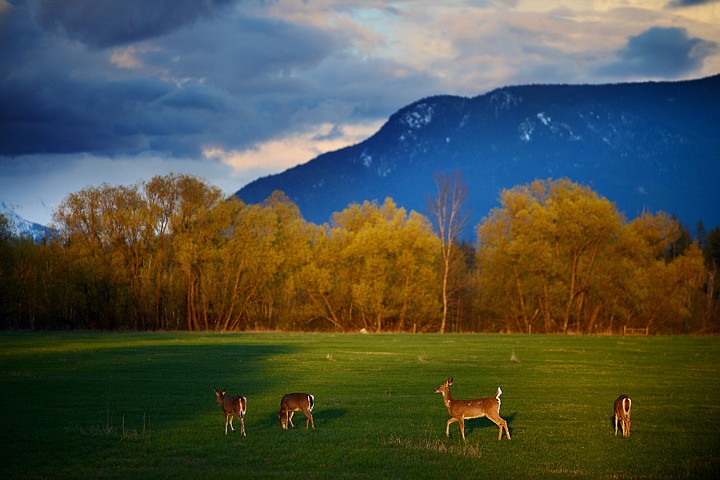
x=447, y=397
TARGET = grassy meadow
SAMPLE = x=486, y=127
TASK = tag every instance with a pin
x=99, y=405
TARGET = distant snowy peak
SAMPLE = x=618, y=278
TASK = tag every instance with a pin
x=22, y=227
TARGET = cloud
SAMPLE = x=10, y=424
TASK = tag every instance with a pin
x=688, y=3
x=64, y=115
x=235, y=82
x=108, y=23
x=280, y=154
x=661, y=52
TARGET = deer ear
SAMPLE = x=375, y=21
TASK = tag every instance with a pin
x=449, y=381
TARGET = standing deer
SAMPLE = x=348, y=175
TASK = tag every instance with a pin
x=296, y=402
x=232, y=405
x=460, y=410
x=623, y=404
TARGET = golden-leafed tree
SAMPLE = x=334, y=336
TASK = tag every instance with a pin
x=557, y=257
x=375, y=269
x=105, y=245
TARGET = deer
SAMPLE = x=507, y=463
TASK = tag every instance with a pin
x=232, y=405
x=622, y=405
x=296, y=402
x=460, y=410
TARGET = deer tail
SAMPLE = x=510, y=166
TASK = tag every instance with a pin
x=311, y=399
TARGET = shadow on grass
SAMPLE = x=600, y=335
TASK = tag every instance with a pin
x=330, y=414
x=485, y=423
x=320, y=416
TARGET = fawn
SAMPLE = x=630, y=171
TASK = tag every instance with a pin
x=460, y=410
x=296, y=402
x=232, y=405
x=623, y=404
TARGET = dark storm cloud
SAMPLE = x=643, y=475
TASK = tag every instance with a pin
x=661, y=52
x=195, y=97
x=245, y=53
x=688, y=3
x=61, y=115
x=231, y=83
x=110, y=23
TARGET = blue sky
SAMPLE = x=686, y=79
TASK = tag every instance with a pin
x=117, y=91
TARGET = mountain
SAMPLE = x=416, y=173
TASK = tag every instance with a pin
x=22, y=227
x=645, y=146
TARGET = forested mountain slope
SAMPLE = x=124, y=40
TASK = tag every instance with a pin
x=645, y=146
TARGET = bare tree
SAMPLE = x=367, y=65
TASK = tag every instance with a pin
x=448, y=210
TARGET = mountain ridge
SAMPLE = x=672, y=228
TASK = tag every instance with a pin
x=645, y=146
x=21, y=227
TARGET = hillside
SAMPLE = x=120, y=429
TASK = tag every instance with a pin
x=22, y=227
x=645, y=146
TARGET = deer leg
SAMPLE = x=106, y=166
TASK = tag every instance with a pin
x=290, y=415
x=502, y=424
x=226, y=423
x=242, y=425
x=616, y=422
x=308, y=420
x=462, y=427
x=231, y=419
x=447, y=427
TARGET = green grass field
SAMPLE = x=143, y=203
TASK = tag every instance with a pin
x=142, y=405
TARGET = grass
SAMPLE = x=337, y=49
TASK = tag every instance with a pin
x=142, y=405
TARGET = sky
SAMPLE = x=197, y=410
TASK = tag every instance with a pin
x=119, y=91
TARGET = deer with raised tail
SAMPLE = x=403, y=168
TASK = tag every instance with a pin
x=296, y=402
x=461, y=410
x=232, y=405
x=623, y=404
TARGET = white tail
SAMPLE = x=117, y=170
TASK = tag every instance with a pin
x=296, y=402
x=623, y=405
x=460, y=410
x=232, y=405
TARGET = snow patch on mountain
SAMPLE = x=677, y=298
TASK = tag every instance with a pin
x=504, y=100
x=419, y=116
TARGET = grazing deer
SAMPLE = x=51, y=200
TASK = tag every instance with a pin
x=296, y=402
x=623, y=404
x=460, y=410
x=232, y=405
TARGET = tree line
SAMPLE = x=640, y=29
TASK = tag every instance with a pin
x=173, y=253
